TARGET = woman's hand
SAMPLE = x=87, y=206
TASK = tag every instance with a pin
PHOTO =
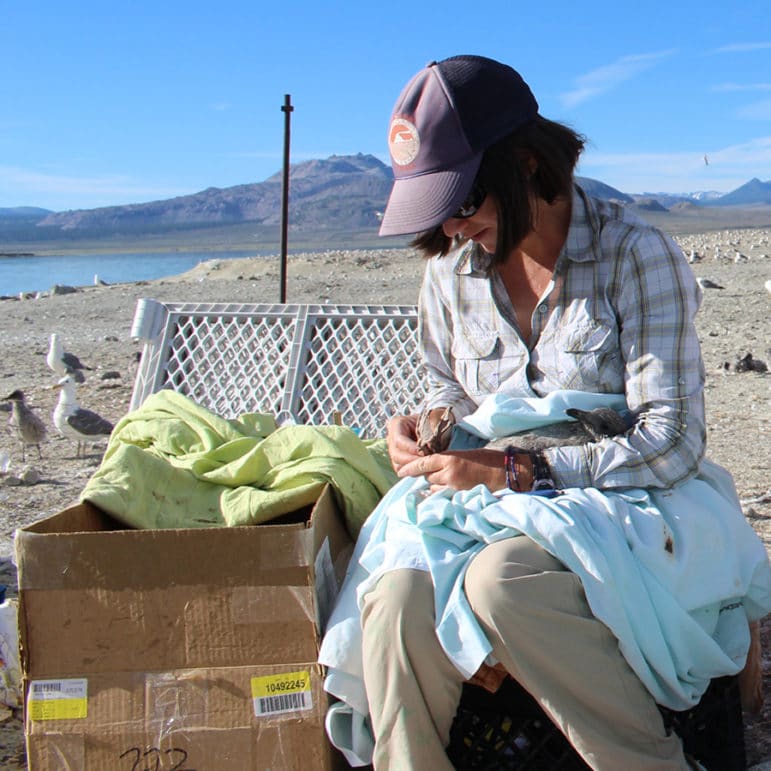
x=458, y=469
x=401, y=440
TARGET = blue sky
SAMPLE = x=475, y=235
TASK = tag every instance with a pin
x=106, y=103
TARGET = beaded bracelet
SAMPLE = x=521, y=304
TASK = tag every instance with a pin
x=510, y=467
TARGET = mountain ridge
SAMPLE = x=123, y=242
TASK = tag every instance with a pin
x=751, y=193
x=346, y=191
x=341, y=193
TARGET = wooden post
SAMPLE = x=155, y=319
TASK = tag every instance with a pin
x=287, y=109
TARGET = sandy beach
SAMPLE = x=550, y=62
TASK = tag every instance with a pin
x=95, y=323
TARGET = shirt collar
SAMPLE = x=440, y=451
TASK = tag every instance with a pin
x=472, y=260
x=582, y=242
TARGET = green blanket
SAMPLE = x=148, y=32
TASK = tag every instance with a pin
x=172, y=463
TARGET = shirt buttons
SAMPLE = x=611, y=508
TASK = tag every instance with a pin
x=543, y=308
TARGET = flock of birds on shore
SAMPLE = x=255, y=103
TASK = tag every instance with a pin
x=70, y=419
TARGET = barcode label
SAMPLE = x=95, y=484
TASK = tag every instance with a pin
x=46, y=687
x=65, y=699
x=71, y=688
x=275, y=705
x=281, y=693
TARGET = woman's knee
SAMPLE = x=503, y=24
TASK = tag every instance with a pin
x=498, y=574
x=401, y=603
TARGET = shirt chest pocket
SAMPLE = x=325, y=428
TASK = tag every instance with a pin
x=589, y=356
x=477, y=363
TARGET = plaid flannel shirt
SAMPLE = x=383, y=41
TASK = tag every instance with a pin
x=618, y=317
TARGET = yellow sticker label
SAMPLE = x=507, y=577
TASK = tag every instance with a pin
x=287, y=692
x=58, y=699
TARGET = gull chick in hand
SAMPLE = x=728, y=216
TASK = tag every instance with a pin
x=76, y=423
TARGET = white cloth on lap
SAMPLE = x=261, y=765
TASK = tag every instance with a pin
x=675, y=574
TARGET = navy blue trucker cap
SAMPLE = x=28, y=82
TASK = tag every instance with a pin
x=443, y=121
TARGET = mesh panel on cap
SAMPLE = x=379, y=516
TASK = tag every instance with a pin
x=491, y=99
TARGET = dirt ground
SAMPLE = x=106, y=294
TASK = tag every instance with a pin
x=95, y=323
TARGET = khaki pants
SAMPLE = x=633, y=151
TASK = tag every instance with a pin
x=535, y=615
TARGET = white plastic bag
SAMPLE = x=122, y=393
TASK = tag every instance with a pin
x=10, y=665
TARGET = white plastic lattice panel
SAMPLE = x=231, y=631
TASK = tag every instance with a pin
x=300, y=362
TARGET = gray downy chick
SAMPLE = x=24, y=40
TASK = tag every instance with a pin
x=588, y=426
x=435, y=431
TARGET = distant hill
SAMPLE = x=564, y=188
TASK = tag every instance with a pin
x=601, y=190
x=23, y=212
x=667, y=200
x=751, y=193
x=329, y=200
x=340, y=192
x=685, y=206
x=17, y=224
x=650, y=204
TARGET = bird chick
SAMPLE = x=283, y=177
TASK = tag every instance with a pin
x=64, y=363
x=73, y=421
x=30, y=427
x=435, y=431
x=748, y=363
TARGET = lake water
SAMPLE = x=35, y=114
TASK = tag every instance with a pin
x=35, y=274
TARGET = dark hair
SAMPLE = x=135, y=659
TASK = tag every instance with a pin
x=505, y=172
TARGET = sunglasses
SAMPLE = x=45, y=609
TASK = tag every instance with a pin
x=471, y=204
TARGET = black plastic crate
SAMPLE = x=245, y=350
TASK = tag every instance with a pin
x=508, y=730
x=713, y=730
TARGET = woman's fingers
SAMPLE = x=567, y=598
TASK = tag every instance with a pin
x=401, y=440
x=459, y=469
x=422, y=466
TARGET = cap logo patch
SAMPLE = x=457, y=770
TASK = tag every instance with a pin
x=403, y=141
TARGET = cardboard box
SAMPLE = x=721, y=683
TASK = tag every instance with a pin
x=177, y=649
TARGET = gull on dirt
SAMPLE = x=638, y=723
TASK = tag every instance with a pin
x=707, y=283
x=30, y=427
x=62, y=362
x=76, y=423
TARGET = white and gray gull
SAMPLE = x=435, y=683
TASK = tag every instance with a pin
x=64, y=363
x=31, y=428
x=75, y=422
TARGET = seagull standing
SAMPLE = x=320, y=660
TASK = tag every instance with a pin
x=74, y=422
x=31, y=428
x=63, y=362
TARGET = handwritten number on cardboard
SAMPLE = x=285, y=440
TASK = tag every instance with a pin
x=180, y=764
x=152, y=759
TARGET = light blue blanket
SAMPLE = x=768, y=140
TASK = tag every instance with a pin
x=675, y=574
